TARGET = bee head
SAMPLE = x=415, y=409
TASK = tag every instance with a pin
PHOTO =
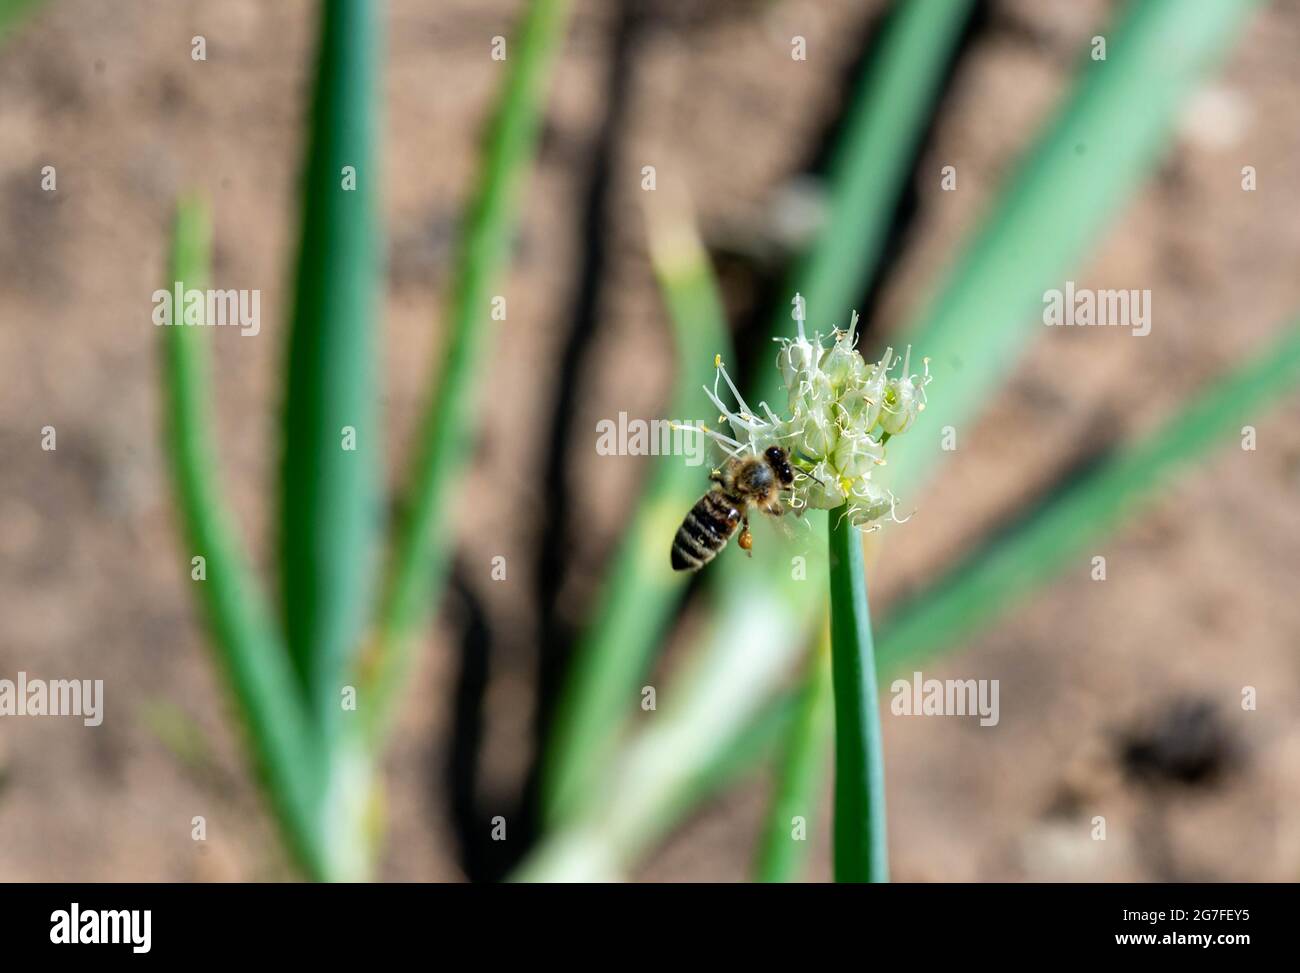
x=779, y=459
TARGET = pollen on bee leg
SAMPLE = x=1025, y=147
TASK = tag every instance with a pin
x=746, y=541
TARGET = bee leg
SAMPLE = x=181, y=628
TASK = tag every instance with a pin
x=746, y=539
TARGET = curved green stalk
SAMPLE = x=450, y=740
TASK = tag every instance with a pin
x=861, y=846
x=420, y=544
x=248, y=645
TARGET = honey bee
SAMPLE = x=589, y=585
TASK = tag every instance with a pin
x=754, y=481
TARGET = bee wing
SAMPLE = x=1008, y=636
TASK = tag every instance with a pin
x=774, y=510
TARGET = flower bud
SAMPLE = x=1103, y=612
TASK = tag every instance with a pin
x=854, y=457
x=868, y=502
x=842, y=364
x=904, y=399
x=797, y=360
x=817, y=435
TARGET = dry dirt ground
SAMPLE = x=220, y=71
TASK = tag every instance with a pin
x=1101, y=683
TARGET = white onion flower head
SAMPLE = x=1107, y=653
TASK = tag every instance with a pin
x=841, y=410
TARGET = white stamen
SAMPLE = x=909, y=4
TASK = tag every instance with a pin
x=744, y=408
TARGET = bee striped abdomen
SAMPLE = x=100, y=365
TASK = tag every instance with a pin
x=706, y=530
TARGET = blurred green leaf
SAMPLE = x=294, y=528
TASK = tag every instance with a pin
x=799, y=777
x=648, y=786
x=643, y=590
x=763, y=738
x=329, y=502
x=996, y=577
x=888, y=115
x=248, y=645
x=1084, y=166
x=12, y=12
x=424, y=534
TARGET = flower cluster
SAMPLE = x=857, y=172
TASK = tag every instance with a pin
x=841, y=411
